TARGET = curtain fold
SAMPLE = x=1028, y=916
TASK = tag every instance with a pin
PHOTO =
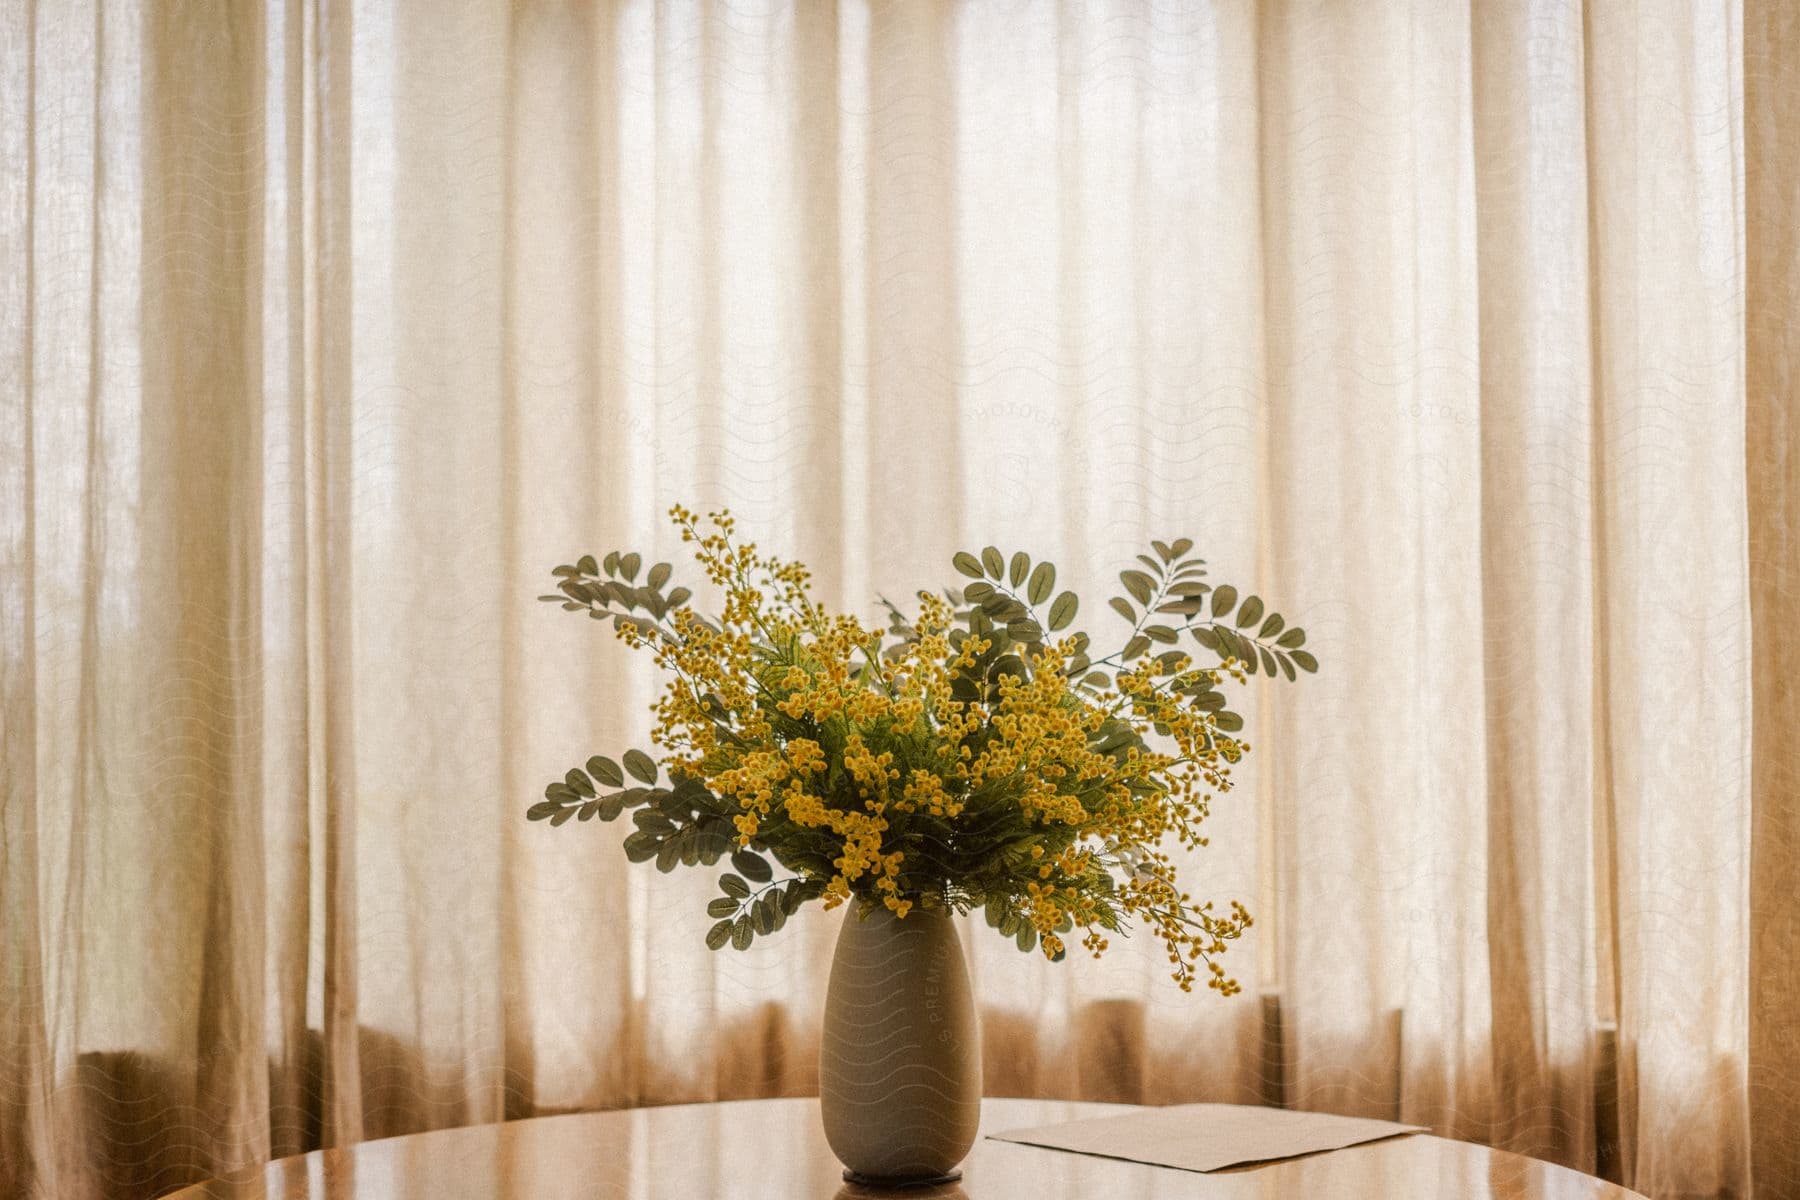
x=1537, y=445
x=1463, y=334
x=1772, y=437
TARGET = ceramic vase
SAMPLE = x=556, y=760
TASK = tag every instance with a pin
x=899, y=1050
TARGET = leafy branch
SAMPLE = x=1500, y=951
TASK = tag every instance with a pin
x=609, y=588
x=746, y=913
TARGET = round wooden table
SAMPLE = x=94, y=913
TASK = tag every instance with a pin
x=775, y=1150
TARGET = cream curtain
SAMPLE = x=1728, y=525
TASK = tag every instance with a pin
x=1463, y=332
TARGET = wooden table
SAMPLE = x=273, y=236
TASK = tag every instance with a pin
x=775, y=1150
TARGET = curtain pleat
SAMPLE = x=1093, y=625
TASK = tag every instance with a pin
x=1772, y=452
x=1665, y=117
x=1537, y=521
x=1462, y=334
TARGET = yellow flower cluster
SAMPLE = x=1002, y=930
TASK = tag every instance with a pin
x=916, y=772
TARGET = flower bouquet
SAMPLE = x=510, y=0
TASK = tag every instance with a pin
x=975, y=753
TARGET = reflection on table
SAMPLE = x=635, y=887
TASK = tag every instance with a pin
x=775, y=1150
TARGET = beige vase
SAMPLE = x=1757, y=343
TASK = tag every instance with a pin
x=899, y=1049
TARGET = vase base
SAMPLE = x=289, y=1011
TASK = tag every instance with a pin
x=893, y=1183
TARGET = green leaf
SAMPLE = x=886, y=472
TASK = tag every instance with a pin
x=1008, y=664
x=712, y=845
x=588, y=810
x=668, y=855
x=1043, y=580
x=1304, y=660
x=1207, y=637
x=1287, y=666
x=1250, y=613
x=1292, y=639
x=1224, y=598
x=1027, y=936
x=792, y=897
x=762, y=915
x=605, y=770
x=641, y=846
x=1021, y=563
x=1136, y=646
x=587, y=566
x=659, y=575
x=1243, y=651
x=1268, y=660
x=579, y=781
x=722, y=906
x=967, y=563
x=752, y=867
x=1160, y=633
x=1063, y=611
x=562, y=816
x=640, y=765
x=542, y=809
x=1182, y=546
x=1023, y=629
x=977, y=592
x=742, y=934
x=992, y=560
x=1230, y=722
x=612, y=563
x=731, y=885
x=1140, y=585
x=611, y=807
x=1270, y=627
x=1123, y=609
x=718, y=935
x=679, y=596
x=1002, y=607
x=652, y=821
x=1163, y=550
x=628, y=565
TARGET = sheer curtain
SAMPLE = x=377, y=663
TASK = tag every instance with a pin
x=1462, y=333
